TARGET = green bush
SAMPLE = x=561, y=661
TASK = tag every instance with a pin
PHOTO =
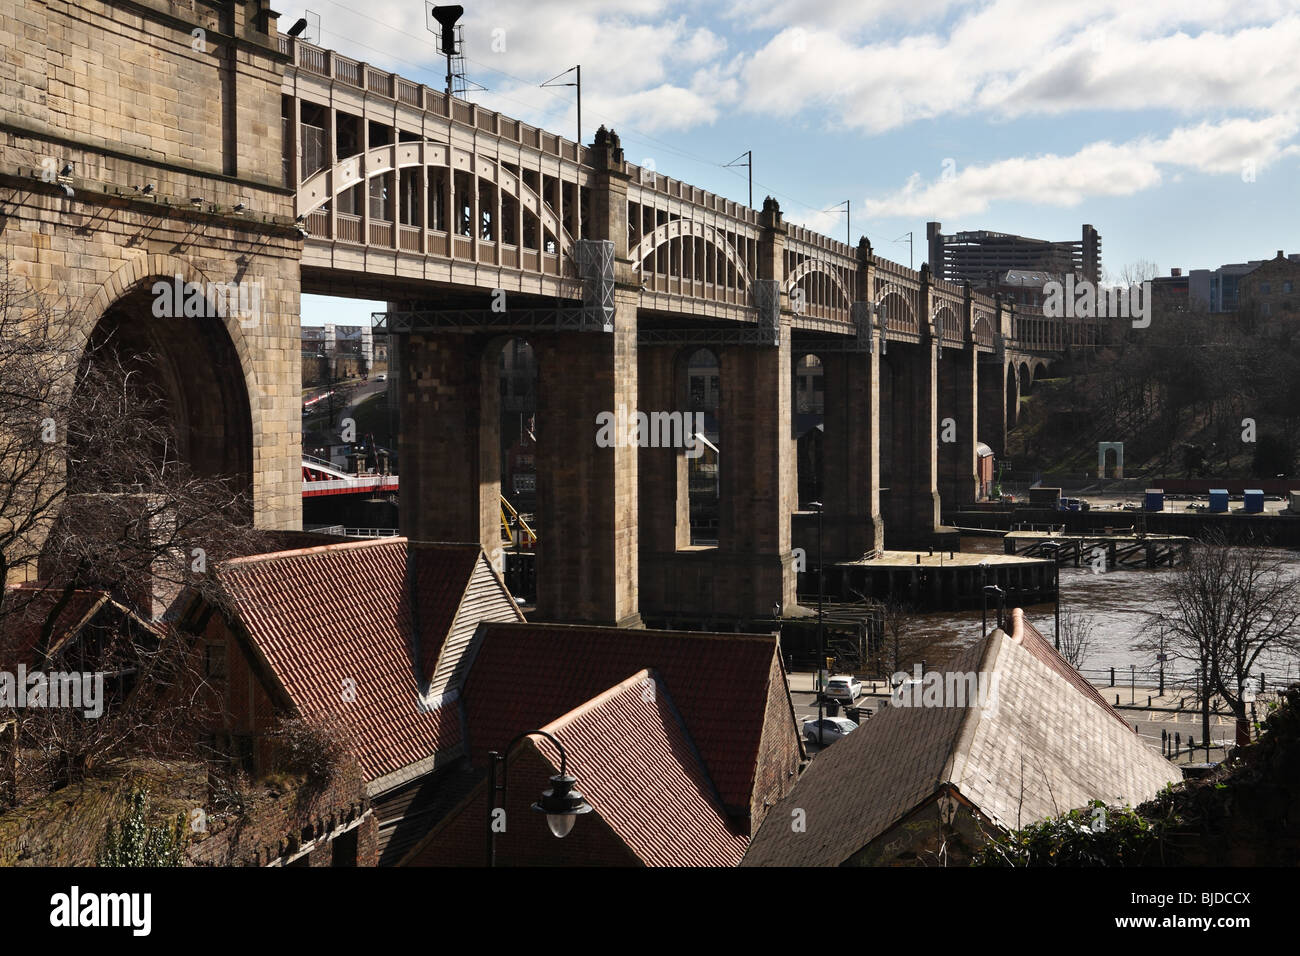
x=133, y=841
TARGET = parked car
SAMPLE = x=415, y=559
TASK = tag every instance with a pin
x=830, y=730
x=846, y=687
x=381, y=377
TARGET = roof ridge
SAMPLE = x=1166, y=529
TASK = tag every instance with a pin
x=955, y=765
x=316, y=549
x=604, y=697
x=745, y=636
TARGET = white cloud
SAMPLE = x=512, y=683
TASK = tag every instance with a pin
x=1098, y=169
x=1019, y=57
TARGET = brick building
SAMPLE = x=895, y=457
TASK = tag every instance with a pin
x=371, y=635
x=1272, y=289
x=650, y=720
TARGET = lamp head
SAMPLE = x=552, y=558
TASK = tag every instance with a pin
x=562, y=805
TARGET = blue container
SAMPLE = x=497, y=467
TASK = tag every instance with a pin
x=1218, y=500
x=1155, y=500
x=1254, y=499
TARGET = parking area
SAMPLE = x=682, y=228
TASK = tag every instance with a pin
x=804, y=698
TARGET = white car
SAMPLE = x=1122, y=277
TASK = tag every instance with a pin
x=830, y=730
x=847, y=688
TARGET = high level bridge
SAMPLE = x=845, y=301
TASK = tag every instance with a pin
x=289, y=168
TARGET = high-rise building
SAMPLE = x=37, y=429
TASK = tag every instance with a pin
x=984, y=257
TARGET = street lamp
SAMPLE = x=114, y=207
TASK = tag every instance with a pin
x=991, y=590
x=821, y=640
x=984, y=577
x=1052, y=547
x=562, y=804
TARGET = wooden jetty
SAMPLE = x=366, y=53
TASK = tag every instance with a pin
x=1120, y=549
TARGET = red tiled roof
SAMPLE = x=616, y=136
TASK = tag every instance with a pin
x=524, y=675
x=1033, y=641
x=336, y=617
x=441, y=574
x=29, y=607
x=636, y=766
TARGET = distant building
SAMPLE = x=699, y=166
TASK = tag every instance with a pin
x=1271, y=287
x=983, y=257
x=1221, y=290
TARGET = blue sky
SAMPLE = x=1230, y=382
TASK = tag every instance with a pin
x=1173, y=127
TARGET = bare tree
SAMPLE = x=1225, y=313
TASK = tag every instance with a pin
x=905, y=644
x=94, y=499
x=1076, y=637
x=1224, y=609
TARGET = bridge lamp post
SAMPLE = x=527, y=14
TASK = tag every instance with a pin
x=562, y=804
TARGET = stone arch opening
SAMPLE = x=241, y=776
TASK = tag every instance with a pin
x=808, y=404
x=699, y=374
x=514, y=363
x=1013, y=397
x=1107, y=453
x=191, y=364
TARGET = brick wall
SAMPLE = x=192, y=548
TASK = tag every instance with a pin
x=779, y=749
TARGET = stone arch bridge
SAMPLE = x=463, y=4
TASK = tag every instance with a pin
x=151, y=139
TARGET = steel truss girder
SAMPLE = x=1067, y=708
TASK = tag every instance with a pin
x=560, y=319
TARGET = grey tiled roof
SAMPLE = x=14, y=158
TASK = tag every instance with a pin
x=1044, y=746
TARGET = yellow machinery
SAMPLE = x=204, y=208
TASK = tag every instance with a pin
x=529, y=539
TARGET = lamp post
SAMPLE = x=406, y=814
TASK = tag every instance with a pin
x=984, y=617
x=821, y=640
x=989, y=591
x=1052, y=548
x=562, y=804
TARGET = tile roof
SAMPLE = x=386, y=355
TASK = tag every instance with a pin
x=1043, y=746
x=637, y=767
x=1033, y=641
x=856, y=789
x=30, y=605
x=332, y=618
x=524, y=675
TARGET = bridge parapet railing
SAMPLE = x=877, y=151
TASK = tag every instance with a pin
x=821, y=275
x=689, y=242
x=897, y=295
x=330, y=65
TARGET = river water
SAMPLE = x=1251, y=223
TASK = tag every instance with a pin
x=1119, y=603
